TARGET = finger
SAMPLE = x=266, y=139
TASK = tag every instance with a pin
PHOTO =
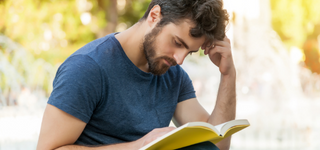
x=209, y=44
x=206, y=45
x=165, y=129
x=216, y=49
x=225, y=42
x=226, y=39
x=215, y=43
x=168, y=129
x=207, y=49
x=213, y=48
x=156, y=133
x=155, y=136
x=222, y=43
x=223, y=51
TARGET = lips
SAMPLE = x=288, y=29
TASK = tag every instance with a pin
x=167, y=62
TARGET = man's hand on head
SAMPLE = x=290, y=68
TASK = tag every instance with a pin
x=220, y=54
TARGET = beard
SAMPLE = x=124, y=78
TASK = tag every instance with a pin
x=156, y=66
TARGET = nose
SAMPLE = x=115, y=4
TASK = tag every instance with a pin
x=179, y=57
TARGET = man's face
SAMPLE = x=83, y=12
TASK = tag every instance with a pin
x=168, y=46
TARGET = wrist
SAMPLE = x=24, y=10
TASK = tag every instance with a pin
x=230, y=76
x=135, y=145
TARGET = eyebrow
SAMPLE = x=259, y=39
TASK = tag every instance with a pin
x=184, y=44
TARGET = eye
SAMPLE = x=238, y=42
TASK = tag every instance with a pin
x=177, y=44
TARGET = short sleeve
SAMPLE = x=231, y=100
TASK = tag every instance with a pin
x=186, y=87
x=77, y=87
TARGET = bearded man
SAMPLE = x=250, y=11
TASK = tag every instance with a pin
x=121, y=91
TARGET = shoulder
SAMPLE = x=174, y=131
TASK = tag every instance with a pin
x=78, y=68
x=105, y=51
x=79, y=62
x=92, y=55
x=97, y=45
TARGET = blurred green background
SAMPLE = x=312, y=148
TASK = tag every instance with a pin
x=51, y=30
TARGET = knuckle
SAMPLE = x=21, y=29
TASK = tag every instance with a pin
x=229, y=54
x=227, y=39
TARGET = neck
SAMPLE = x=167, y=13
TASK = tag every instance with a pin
x=131, y=41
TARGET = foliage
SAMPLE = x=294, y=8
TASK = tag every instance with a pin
x=298, y=24
x=294, y=20
x=53, y=29
x=49, y=31
x=19, y=70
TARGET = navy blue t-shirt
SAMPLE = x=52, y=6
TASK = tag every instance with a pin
x=119, y=102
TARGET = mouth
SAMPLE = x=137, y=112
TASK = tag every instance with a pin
x=167, y=62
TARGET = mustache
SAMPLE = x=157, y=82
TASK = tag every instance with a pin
x=170, y=60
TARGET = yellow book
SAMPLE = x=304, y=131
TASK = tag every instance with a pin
x=196, y=132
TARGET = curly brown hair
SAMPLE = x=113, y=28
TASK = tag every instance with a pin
x=209, y=17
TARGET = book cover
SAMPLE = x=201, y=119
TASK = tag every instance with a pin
x=196, y=132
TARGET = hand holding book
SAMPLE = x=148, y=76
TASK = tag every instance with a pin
x=196, y=132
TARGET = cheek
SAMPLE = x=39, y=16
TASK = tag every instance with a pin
x=169, y=47
x=164, y=45
x=163, y=48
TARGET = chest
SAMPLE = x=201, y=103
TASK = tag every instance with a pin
x=135, y=108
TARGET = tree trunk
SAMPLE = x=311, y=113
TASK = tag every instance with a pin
x=110, y=7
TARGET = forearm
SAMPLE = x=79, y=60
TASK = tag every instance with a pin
x=121, y=146
x=225, y=108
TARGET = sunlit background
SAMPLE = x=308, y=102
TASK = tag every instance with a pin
x=275, y=47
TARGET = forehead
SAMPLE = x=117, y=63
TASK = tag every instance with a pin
x=182, y=30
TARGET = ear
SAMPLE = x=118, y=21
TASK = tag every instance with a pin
x=154, y=16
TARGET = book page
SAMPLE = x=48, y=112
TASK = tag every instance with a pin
x=230, y=124
x=219, y=127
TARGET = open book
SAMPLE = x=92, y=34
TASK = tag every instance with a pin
x=196, y=132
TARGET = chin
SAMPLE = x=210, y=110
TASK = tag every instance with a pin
x=160, y=71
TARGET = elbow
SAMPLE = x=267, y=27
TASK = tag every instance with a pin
x=224, y=144
x=223, y=147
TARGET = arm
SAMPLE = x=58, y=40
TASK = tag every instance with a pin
x=59, y=130
x=225, y=107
